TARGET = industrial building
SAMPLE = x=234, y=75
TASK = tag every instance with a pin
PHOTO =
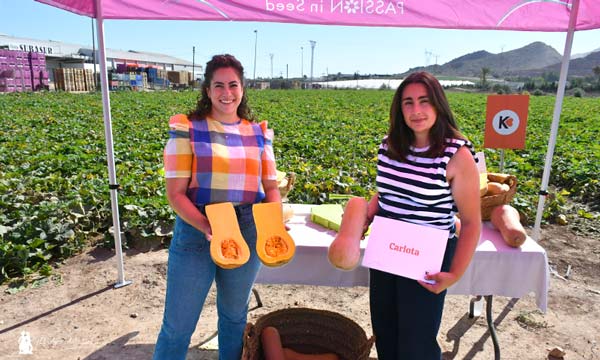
x=60, y=55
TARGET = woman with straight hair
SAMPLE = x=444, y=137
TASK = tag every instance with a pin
x=426, y=174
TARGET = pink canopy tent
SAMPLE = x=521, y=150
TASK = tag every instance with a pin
x=526, y=15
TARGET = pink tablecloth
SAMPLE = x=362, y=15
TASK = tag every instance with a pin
x=496, y=269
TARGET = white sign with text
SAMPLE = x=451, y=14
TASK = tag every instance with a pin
x=405, y=249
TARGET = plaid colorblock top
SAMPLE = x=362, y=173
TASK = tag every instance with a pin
x=225, y=162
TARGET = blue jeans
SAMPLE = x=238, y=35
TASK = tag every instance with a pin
x=190, y=274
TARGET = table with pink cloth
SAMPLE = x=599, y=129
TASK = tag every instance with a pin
x=496, y=268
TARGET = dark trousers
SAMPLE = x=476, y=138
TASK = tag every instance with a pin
x=405, y=316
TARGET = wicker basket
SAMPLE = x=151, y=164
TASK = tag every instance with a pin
x=488, y=203
x=310, y=331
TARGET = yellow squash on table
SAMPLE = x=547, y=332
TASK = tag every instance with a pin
x=228, y=249
x=274, y=246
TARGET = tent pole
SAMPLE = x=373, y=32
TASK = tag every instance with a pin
x=113, y=185
x=560, y=93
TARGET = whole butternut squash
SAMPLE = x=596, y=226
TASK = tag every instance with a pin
x=294, y=355
x=507, y=220
x=344, y=251
x=273, y=349
x=495, y=188
x=271, y=344
x=497, y=177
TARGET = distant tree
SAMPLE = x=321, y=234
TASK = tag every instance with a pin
x=529, y=85
x=596, y=70
x=550, y=76
x=576, y=82
x=538, y=92
x=548, y=86
x=501, y=89
x=484, y=73
x=578, y=92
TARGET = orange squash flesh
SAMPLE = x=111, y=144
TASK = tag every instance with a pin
x=228, y=249
x=274, y=246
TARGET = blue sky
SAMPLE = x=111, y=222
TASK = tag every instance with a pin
x=367, y=50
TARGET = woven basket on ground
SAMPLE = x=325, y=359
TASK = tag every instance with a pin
x=488, y=203
x=310, y=331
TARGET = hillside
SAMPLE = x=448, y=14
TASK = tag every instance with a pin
x=534, y=59
x=578, y=67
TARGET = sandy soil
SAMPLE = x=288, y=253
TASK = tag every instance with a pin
x=77, y=314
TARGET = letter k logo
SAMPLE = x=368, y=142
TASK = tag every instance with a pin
x=505, y=122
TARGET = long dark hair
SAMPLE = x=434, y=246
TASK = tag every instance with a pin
x=204, y=105
x=401, y=137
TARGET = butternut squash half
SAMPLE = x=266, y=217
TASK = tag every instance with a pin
x=274, y=246
x=228, y=249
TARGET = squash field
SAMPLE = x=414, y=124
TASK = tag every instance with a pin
x=54, y=195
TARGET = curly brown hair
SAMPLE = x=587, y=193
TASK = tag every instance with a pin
x=204, y=105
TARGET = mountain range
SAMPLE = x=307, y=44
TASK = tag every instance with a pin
x=531, y=60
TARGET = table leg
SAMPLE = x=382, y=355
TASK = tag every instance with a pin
x=491, y=328
x=475, y=306
x=258, y=301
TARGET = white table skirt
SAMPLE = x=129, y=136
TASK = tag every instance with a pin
x=496, y=268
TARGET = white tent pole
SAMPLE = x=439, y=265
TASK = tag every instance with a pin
x=560, y=93
x=113, y=185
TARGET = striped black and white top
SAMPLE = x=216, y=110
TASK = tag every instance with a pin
x=417, y=190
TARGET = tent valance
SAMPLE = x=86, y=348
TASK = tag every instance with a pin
x=527, y=15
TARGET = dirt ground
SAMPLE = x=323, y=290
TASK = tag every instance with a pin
x=77, y=314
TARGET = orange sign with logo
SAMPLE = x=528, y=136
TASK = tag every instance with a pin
x=506, y=121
